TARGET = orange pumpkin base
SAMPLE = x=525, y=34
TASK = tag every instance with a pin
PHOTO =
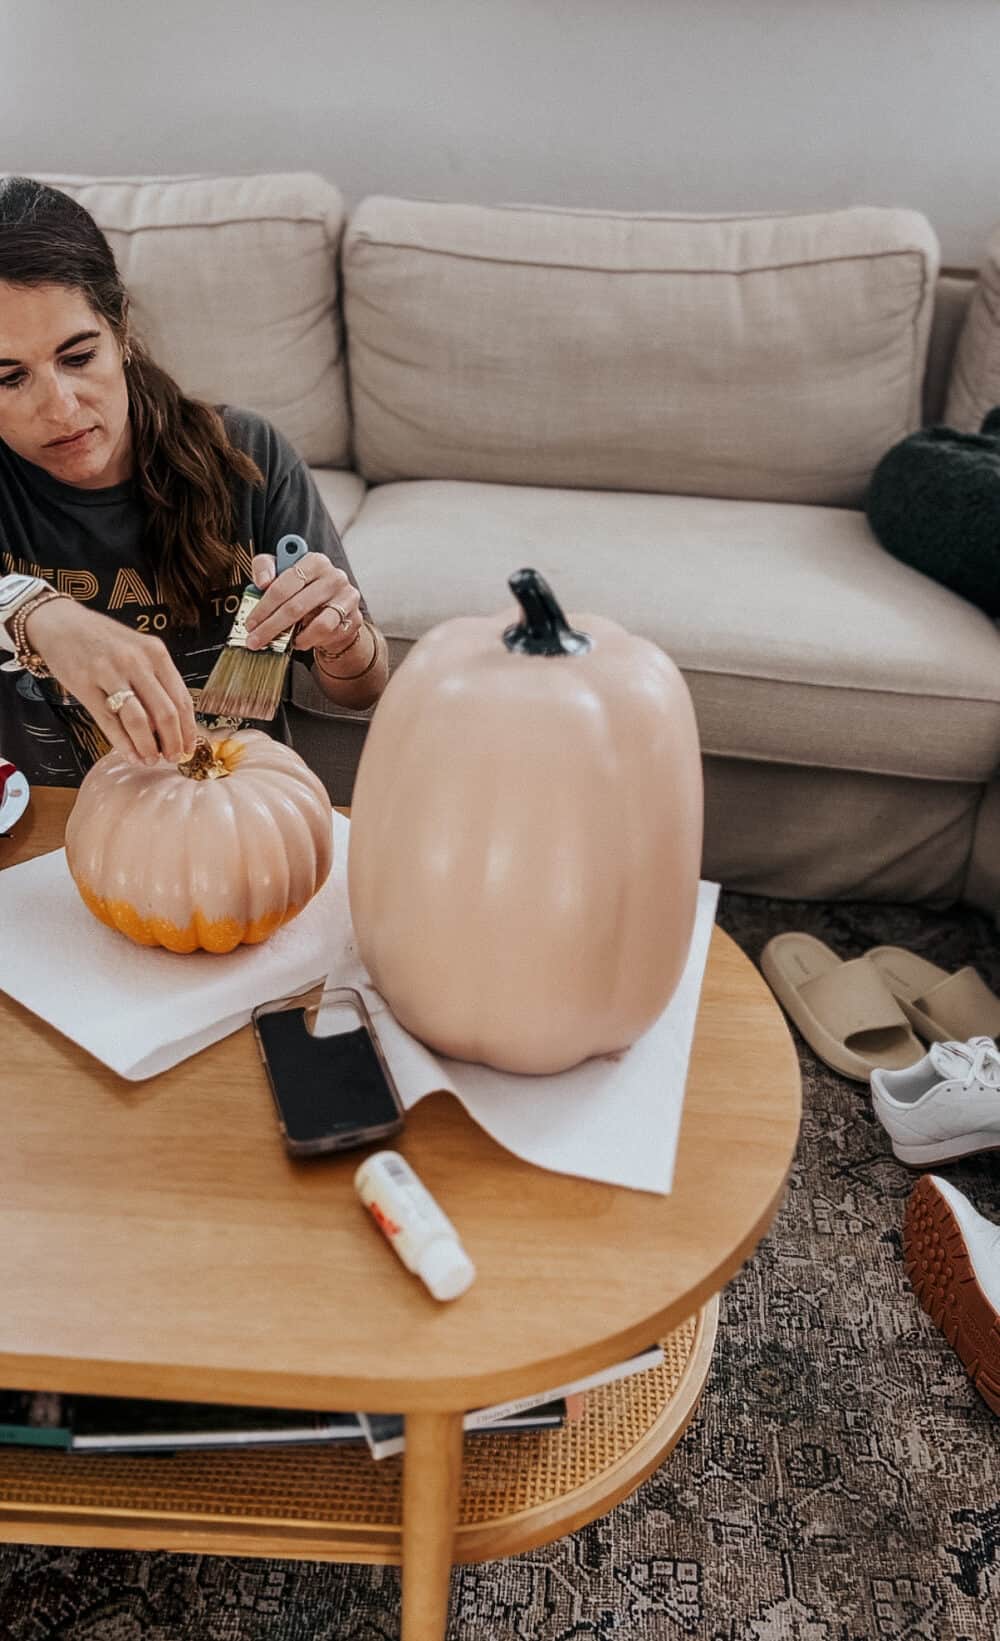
x=217, y=935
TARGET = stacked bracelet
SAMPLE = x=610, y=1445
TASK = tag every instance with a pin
x=348, y=678
x=24, y=655
x=334, y=655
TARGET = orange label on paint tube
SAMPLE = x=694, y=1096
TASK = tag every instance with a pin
x=383, y=1221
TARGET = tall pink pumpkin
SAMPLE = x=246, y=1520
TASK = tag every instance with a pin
x=525, y=840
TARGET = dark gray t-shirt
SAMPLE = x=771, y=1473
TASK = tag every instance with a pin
x=91, y=544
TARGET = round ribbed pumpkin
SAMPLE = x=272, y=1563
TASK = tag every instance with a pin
x=526, y=836
x=206, y=855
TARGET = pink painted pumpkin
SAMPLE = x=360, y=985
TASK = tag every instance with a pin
x=205, y=856
x=526, y=832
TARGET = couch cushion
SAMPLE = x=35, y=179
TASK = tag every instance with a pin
x=975, y=378
x=342, y=492
x=235, y=291
x=802, y=641
x=759, y=357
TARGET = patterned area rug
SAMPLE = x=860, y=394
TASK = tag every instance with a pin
x=840, y=1483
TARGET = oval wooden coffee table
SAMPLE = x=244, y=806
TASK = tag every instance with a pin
x=158, y=1242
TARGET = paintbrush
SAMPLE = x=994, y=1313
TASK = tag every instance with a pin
x=249, y=683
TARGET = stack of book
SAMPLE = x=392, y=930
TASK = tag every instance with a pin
x=385, y=1433
x=126, y=1424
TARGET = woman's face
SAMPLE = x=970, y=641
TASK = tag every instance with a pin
x=63, y=398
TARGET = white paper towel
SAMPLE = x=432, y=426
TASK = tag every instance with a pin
x=141, y=1010
x=615, y=1118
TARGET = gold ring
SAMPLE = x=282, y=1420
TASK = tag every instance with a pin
x=302, y=574
x=116, y=701
x=345, y=619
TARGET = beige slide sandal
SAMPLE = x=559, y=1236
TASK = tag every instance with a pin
x=942, y=1007
x=845, y=1011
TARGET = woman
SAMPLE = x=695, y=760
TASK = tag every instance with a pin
x=131, y=517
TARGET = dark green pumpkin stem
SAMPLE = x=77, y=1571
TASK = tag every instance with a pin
x=544, y=629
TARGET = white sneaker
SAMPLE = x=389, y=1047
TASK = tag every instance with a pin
x=953, y=1260
x=945, y=1106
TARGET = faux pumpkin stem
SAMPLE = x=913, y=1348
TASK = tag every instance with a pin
x=203, y=765
x=544, y=629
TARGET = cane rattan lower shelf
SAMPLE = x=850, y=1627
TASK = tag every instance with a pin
x=335, y=1503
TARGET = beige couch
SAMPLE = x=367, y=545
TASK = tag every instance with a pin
x=673, y=418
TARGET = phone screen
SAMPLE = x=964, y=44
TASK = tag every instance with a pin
x=326, y=1087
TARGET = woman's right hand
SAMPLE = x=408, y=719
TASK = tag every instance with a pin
x=94, y=658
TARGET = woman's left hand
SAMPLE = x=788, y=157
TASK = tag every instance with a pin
x=312, y=595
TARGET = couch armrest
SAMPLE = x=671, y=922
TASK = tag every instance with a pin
x=951, y=305
x=974, y=384
x=330, y=737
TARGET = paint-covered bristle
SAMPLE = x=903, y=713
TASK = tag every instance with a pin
x=244, y=684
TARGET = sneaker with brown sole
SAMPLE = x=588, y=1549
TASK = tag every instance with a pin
x=952, y=1256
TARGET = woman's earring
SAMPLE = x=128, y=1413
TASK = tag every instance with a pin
x=127, y=354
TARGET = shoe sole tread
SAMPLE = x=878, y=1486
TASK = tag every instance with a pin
x=939, y=1266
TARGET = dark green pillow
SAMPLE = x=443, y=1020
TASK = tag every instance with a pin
x=934, y=503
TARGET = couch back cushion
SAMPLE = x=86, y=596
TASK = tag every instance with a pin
x=234, y=290
x=767, y=357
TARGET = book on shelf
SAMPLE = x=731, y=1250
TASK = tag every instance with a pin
x=34, y=1418
x=129, y=1424
x=115, y=1424
x=385, y=1432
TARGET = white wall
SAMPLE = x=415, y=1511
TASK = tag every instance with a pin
x=647, y=104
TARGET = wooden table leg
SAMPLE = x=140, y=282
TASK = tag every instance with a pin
x=432, y=1471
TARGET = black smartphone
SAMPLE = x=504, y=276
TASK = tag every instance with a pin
x=331, y=1084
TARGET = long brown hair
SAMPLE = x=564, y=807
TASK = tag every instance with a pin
x=184, y=459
